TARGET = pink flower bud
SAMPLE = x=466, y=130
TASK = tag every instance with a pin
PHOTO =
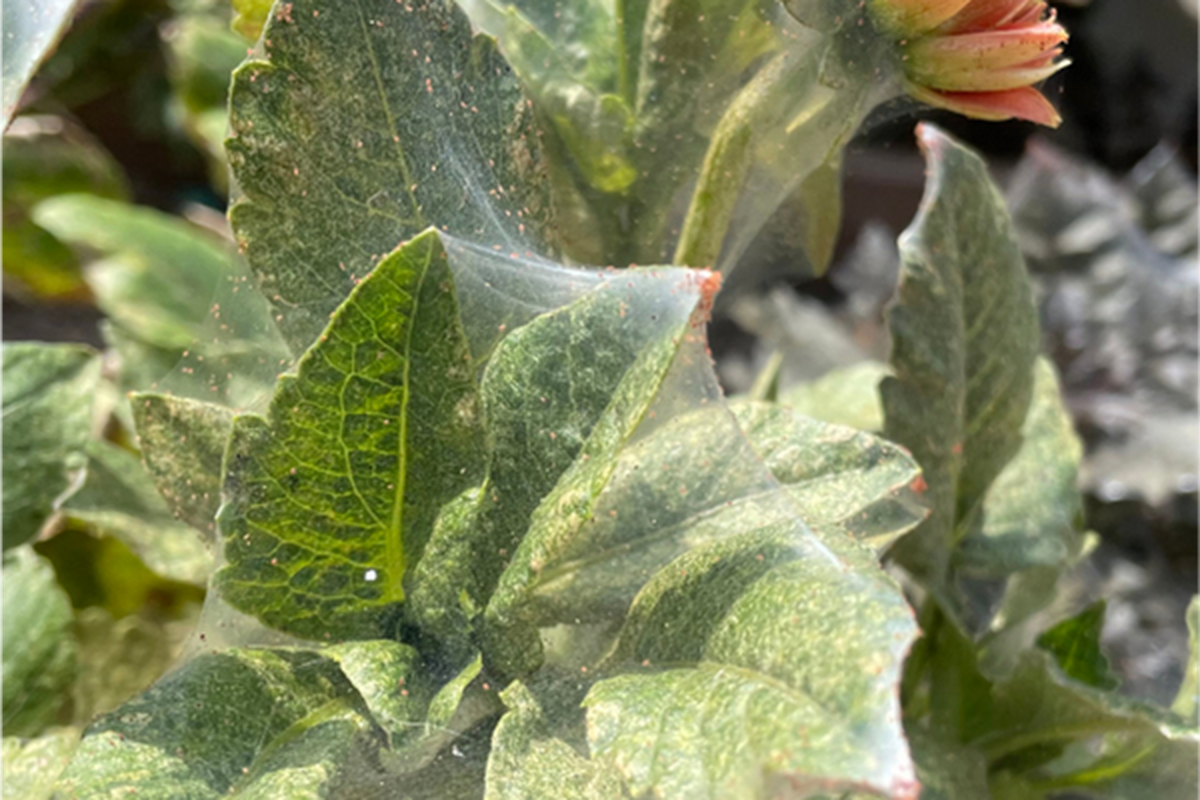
x=980, y=58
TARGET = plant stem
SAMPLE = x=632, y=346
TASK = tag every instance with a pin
x=1005, y=745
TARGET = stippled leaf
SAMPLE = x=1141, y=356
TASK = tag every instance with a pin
x=392, y=682
x=964, y=341
x=48, y=395
x=362, y=124
x=118, y=498
x=528, y=763
x=31, y=29
x=40, y=651
x=841, y=480
x=560, y=395
x=183, y=443
x=31, y=766
x=569, y=424
x=1030, y=514
x=751, y=700
x=245, y=723
x=331, y=498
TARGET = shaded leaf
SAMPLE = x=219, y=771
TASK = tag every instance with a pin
x=202, y=53
x=48, y=394
x=528, y=763
x=1031, y=511
x=118, y=658
x=330, y=499
x=31, y=766
x=31, y=30
x=183, y=443
x=367, y=123
x=1075, y=645
x=841, y=480
x=158, y=277
x=46, y=156
x=964, y=341
x=40, y=651
x=118, y=498
x=244, y=723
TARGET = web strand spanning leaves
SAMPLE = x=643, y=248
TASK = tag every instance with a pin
x=560, y=394
x=334, y=496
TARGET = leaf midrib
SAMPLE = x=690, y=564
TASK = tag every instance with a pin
x=395, y=557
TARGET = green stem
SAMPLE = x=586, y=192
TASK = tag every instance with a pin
x=998, y=746
x=1096, y=773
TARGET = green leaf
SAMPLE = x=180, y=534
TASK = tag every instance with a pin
x=118, y=498
x=183, y=443
x=1031, y=511
x=368, y=127
x=157, y=277
x=329, y=501
x=119, y=658
x=40, y=651
x=778, y=669
x=1075, y=645
x=1115, y=746
x=560, y=394
x=847, y=396
x=31, y=766
x=31, y=30
x=594, y=126
x=527, y=763
x=841, y=480
x=392, y=682
x=249, y=17
x=48, y=394
x=564, y=428
x=946, y=769
x=244, y=723
x=964, y=342
x=46, y=156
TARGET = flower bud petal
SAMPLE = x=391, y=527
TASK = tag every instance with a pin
x=1025, y=103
